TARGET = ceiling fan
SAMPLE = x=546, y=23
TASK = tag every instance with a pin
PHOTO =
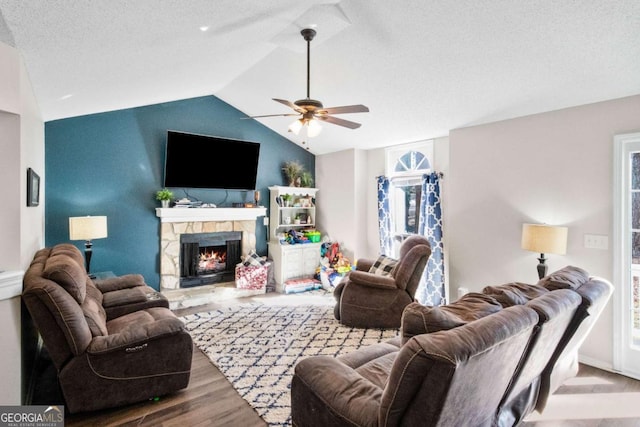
x=311, y=111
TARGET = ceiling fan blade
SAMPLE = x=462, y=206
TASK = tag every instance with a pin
x=290, y=105
x=339, y=122
x=270, y=115
x=359, y=108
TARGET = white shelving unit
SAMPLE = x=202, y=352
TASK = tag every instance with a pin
x=282, y=214
x=299, y=260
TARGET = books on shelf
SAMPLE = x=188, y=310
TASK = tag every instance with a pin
x=187, y=203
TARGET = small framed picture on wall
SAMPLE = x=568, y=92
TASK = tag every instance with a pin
x=33, y=188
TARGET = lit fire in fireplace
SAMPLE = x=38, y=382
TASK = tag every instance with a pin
x=212, y=260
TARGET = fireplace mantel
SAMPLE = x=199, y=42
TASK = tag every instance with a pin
x=209, y=214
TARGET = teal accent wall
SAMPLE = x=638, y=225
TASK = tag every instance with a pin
x=112, y=164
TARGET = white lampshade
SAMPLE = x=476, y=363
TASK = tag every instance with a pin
x=296, y=126
x=87, y=227
x=544, y=239
x=314, y=128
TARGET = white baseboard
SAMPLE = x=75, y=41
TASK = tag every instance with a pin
x=605, y=366
x=596, y=363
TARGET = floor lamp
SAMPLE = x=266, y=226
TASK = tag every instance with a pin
x=544, y=239
x=87, y=228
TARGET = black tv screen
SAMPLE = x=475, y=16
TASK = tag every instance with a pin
x=201, y=161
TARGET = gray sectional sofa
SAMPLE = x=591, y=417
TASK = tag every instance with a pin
x=488, y=359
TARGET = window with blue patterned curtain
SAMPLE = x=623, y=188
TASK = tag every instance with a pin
x=431, y=290
x=384, y=217
x=412, y=205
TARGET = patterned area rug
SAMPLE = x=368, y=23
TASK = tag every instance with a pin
x=256, y=346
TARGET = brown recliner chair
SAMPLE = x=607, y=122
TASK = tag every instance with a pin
x=369, y=300
x=103, y=362
x=452, y=377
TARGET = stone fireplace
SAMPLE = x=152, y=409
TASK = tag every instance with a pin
x=182, y=229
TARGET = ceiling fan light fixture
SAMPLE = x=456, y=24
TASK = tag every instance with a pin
x=296, y=126
x=314, y=128
x=310, y=110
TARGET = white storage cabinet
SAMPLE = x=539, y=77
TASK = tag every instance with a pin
x=292, y=261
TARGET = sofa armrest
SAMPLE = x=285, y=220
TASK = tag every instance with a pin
x=121, y=297
x=372, y=280
x=347, y=393
x=121, y=282
x=364, y=264
x=130, y=339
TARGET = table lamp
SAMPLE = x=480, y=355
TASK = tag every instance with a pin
x=543, y=239
x=87, y=228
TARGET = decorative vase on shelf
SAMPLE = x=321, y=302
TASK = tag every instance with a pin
x=165, y=203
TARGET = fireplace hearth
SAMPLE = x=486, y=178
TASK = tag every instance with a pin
x=209, y=258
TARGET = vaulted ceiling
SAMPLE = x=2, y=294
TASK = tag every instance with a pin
x=422, y=67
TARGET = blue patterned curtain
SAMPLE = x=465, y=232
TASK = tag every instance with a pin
x=431, y=290
x=384, y=217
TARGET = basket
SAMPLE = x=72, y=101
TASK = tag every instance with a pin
x=313, y=236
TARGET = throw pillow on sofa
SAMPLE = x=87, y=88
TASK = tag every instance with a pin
x=569, y=277
x=383, y=266
x=514, y=293
x=418, y=319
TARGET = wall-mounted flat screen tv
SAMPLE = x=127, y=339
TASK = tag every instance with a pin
x=201, y=161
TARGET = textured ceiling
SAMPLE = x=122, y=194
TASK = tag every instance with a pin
x=423, y=67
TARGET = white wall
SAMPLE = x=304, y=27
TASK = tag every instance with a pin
x=9, y=78
x=10, y=158
x=337, y=213
x=10, y=191
x=31, y=156
x=22, y=144
x=21, y=227
x=555, y=168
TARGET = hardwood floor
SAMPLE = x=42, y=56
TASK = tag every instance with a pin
x=595, y=398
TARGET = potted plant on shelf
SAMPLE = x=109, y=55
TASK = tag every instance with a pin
x=306, y=180
x=286, y=200
x=292, y=171
x=165, y=195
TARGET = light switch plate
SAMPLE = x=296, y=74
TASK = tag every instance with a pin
x=596, y=241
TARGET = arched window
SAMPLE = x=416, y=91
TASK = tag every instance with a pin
x=405, y=166
x=412, y=161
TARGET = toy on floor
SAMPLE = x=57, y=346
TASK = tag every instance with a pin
x=333, y=265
